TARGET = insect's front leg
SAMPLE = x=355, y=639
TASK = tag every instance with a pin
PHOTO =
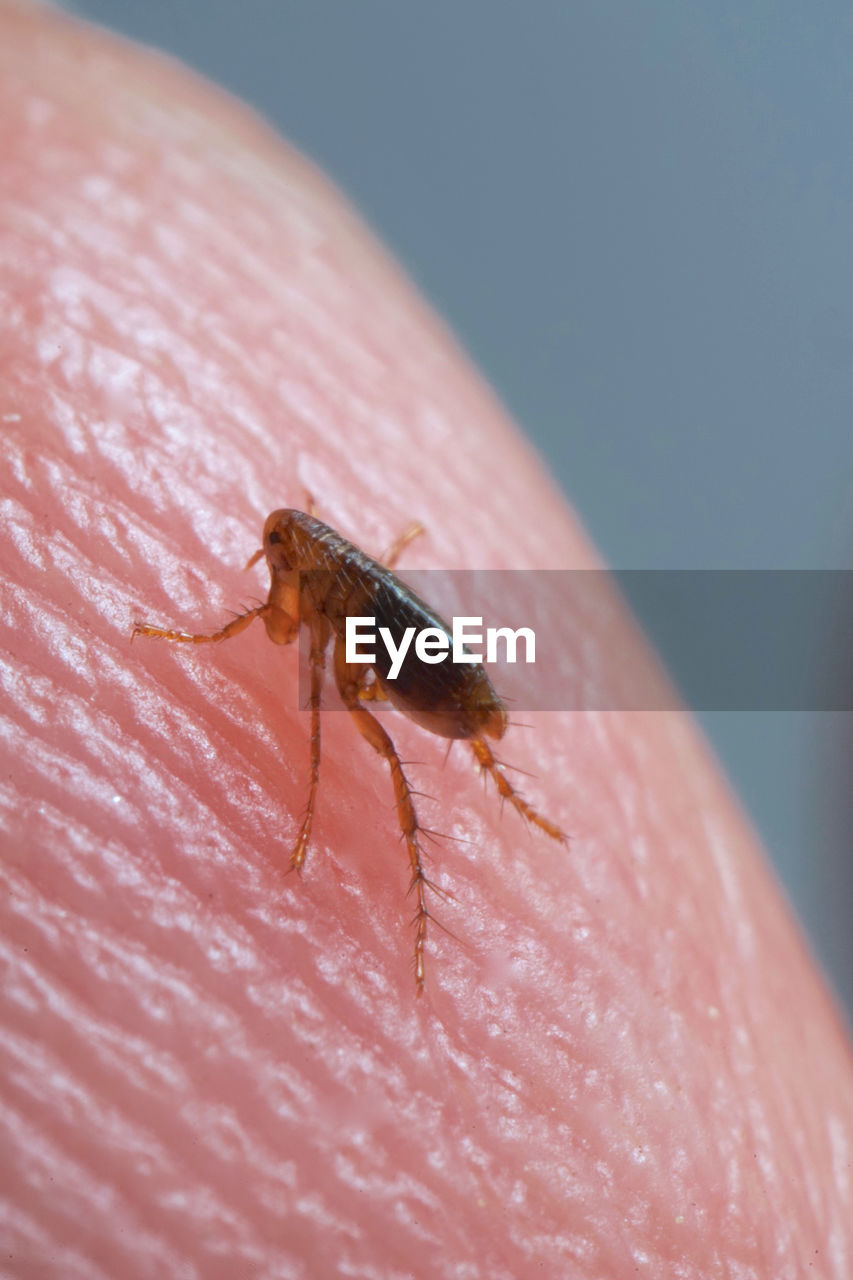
x=282, y=627
x=232, y=628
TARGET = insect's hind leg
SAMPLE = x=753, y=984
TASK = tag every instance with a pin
x=507, y=791
x=349, y=679
x=317, y=660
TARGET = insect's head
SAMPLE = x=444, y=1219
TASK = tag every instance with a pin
x=278, y=540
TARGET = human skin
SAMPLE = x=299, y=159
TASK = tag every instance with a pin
x=624, y=1063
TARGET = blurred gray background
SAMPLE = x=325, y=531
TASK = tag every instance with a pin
x=638, y=219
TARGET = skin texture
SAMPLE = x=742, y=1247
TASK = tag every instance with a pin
x=625, y=1065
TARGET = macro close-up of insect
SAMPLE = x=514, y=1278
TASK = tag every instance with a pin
x=321, y=581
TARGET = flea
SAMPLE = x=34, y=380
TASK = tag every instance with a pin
x=318, y=579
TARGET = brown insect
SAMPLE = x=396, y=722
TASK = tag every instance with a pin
x=318, y=580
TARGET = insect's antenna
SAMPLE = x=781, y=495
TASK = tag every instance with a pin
x=253, y=559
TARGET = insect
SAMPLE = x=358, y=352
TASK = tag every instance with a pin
x=318, y=579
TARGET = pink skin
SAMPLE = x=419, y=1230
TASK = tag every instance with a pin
x=626, y=1065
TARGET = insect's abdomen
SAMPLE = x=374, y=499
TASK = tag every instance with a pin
x=453, y=700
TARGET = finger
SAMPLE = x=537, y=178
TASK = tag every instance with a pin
x=206, y=1065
